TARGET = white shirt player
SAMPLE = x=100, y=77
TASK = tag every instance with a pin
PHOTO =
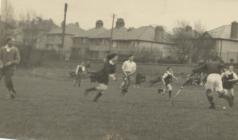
x=129, y=67
x=83, y=68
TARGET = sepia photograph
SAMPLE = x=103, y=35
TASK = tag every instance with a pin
x=118, y=69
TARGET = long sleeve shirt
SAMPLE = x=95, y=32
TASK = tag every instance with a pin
x=9, y=55
x=129, y=66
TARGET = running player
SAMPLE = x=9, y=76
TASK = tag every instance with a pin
x=128, y=69
x=213, y=69
x=229, y=78
x=167, y=80
x=102, y=77
x=9, y=58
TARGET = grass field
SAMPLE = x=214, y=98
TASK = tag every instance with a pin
x=51, y=109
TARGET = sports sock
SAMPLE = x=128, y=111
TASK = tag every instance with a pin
x=210, y=99
x=97, y=96
x=170, y=94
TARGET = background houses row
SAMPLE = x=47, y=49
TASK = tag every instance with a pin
x=148, y=43
x=153, y=42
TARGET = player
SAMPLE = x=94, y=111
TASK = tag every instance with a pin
x=9, y=58
x=213, y=69
x=102, y=77
x=229, y=78
x=167, y=80
x=128, y=69
x=80, y=70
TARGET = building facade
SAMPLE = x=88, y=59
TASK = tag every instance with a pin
x=226, y=41
x=140, y=41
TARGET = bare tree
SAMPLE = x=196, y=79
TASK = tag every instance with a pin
x=8, y=23
x=183, y=37
x=32, y=28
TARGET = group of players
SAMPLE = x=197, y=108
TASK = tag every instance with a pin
x=219, y=78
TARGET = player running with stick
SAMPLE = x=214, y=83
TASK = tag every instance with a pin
x=128, y=69
x=229, y=78
x=167, y=80
x=102, y=77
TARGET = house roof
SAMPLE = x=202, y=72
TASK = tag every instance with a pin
x=71, y=29
x=144, y=33
x=222, y=32
x=97, y=33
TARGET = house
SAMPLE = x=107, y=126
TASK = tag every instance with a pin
x=143, y=41
x=54, y=39
x=93, y=43
x=225, y=41
x=98, y=41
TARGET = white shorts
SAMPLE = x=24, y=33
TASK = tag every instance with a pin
x=214, y=82
x=169, y=87
x=102, y=87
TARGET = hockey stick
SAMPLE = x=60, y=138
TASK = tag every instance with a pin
x=176, y=94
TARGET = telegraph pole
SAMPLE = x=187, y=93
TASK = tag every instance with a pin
x=111, y=36
x=64, y=25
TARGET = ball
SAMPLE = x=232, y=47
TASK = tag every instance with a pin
x=224, y=108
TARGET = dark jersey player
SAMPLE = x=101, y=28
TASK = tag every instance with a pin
x=213, y=69
x=167, y=80
x=102, y=76
x=229, y=78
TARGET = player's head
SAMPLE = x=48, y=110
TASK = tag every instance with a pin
x=169, y=69
x=112, y=57
x=131, y=57
x=9, y=42
x=226, y=68
x=231, y=68
x=82, y=63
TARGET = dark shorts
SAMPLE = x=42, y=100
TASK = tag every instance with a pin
x=8, y=72
x=228, y=85
x=100, y=78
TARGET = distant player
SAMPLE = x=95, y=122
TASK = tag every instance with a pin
x=213, y=69
x=80, y=70
x=229, y=78
x=9, y=58
x=167, y=80
x=102, y=77
x=128, y=70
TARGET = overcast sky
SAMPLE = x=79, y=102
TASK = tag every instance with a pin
x=211, y=13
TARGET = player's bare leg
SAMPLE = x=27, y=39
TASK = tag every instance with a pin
x=87, y=91
x=170, y=94
x=231, y=96
x=10, y=86
x=210, y=99
x=224, y=94
x=125, y=86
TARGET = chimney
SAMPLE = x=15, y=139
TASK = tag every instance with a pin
x=234, y=30
x=120, y=23
x=159, y=33
x=99, y=24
